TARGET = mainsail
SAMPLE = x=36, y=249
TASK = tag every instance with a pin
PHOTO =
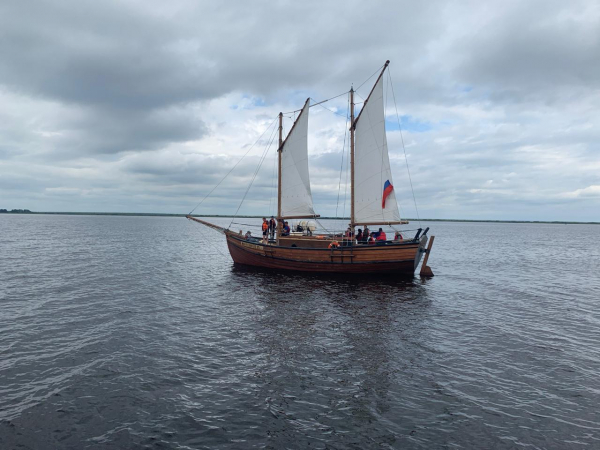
x=374, y=197
x=296, y=198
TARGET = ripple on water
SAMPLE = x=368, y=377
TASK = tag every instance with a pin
x=127, y=332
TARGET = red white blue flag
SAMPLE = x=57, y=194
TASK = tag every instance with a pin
x=387, y=190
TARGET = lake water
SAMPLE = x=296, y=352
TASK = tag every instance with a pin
x=138, y=332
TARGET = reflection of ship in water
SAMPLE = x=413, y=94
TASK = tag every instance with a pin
x=331, y=361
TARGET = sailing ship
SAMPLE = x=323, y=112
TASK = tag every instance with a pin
x=373, y=203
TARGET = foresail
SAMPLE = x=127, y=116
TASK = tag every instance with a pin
x=296, y=198
x=374, y=196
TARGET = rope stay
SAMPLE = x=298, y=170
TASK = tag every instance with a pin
x=273, y=190
x=316, y=103
x=330, y=110
x=374, y=73
x=212, y=245
x=403, y=147
x=343, y=152
x=260, y=163
x=231, y=170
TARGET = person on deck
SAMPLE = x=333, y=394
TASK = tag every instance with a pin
x=371, y=240
x=286, y=229
x=265, y=230
x=366, y=235
x=381, y=237
x=248, y=235
x=398, y=236
x=359, y=236
x=272, y=227
x=348, y=237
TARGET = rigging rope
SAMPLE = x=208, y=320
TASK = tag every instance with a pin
x=318, y=103
x=374, y=73
x=262, y=159
x=330, y=110
x=247, y=224
x=403, y=147
x=236, y=164
x=343, y=152
x=273, y=176
x=212, y=244
x=346, y=185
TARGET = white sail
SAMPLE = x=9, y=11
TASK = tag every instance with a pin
x=296, y=198
x=372, y=164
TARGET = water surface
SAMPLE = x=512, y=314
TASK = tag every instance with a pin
x=138, y=332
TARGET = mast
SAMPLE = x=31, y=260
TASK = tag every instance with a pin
x=352, y=159
x=279, y=225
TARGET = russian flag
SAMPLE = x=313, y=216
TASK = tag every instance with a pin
x=387, y=190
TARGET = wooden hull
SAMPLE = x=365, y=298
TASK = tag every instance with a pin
x=400, y=259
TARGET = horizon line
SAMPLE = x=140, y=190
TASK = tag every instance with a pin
x=79, y=213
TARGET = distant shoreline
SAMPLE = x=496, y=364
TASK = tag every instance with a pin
x=557, y=222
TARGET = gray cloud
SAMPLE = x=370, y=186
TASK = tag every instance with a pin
x=145, y=106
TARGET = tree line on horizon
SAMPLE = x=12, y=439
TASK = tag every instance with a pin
x=15, y=211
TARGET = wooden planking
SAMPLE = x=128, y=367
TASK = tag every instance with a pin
x=361, y=253
x=241, y=255
x=370, y=259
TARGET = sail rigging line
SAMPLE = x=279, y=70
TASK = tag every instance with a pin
x=330, y=110
x=262, y=159
x=274, y=213
x=374, y=73
x=403, y=147
x=260, y=163
x=213, y=245
x=346, y=183
x=317, y=103
x=339, y=95
x=236, y=164
x=247, y=224
x=343, y=152
x=323, y=226
x=273, y=175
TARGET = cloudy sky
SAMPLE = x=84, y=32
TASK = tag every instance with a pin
x=145, y=106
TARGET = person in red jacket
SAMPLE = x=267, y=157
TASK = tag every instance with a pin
x=381, y=237
x=265, y=230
